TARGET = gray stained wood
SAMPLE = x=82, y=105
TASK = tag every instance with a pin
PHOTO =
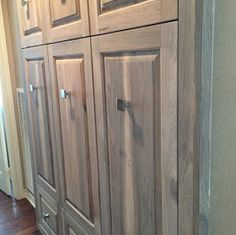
x=42, y=122
x=137, y=147
x=109, y=16
x=66, y=19
x=71, y=71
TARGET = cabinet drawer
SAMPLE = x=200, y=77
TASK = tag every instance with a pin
x=47, y=212
x=114, y=15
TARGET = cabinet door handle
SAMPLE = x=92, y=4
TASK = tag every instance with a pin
x=64, y=94
x=32, y=88
x=46, y=216
x=122, y=104
x=25, y=2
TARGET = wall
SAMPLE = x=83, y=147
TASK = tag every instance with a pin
x=223, y=179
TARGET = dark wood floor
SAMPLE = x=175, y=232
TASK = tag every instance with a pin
x=16, y=217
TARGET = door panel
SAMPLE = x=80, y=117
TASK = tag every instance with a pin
x=71, y=227
x=136, y=112
x=108, y=15
x=66, y=19
x=70, y=65
x=31, y=25
x=40, y=102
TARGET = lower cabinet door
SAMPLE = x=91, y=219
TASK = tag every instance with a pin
x=135, y=77
x=47, y=210
x=71, y=227
x=71, y=71
x=38, y=88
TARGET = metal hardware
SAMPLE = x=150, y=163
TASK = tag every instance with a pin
x=64, y=93
x=46, y=216
x=122, y=104
x=63, y=1
x=32, y=88
x=25, y=2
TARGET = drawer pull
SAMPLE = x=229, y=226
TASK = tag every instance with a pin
x=46, y=216
x=122, y=104
x=64, y=94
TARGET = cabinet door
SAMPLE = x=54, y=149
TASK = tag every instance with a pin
x=66, y=19
x=113, y=15
x=40, y=102
x=70, y=64
x=31, y=24
x=71, y=227
x=135, y=76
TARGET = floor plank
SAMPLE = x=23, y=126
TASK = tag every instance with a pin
x=16, y=217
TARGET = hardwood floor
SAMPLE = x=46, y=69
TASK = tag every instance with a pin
x=16, y=217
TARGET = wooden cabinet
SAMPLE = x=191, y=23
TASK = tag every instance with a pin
x=30, y=22
x=113, y=15
x=71, y=227
x=71, y=71
x=135, y=76
x=39, y=92
x=66, y=19
x=48, y=215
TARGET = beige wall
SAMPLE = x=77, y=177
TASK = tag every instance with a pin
x=223, y=180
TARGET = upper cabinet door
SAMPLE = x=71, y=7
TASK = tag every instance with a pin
x=40, y=103
x=31, y=22
x=135, y=79
x=113, y=15
x=66, y=19
x=70, y=65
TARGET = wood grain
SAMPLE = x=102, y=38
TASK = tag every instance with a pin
x=32, y=29
x=137, y=149
x=67, y=20
x=70, y=67
x=134, y=15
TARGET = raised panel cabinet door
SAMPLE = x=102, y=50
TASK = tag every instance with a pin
x=135, y=77
x=114, y=15
x=39, y=94
x=66, y=19
x=71, y=227
x=30, y=13
x=70, y=64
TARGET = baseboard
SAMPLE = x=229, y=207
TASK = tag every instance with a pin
x=30, y=197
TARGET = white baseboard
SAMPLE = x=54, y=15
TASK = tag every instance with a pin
x=30, y=197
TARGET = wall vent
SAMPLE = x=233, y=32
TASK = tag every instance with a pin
x=25, y=140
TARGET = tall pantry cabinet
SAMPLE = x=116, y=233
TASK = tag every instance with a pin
x=101, y=81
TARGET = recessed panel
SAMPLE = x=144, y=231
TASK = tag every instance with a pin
x=64, y=11
x=40, y=112
x=31, y=17
x=74, y=124
x=133, y=140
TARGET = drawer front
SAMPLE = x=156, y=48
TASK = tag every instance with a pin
x=113, y=15
x=47, y=212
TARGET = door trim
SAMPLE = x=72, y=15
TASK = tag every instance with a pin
x=196, y=30
x=7, y=80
